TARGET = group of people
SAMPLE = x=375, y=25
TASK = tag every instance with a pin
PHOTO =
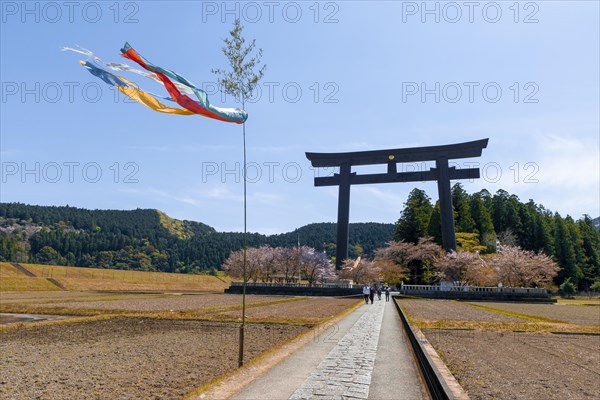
x=369, y=292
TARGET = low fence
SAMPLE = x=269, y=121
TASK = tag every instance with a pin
x=475, y=292
x=293, y=284
x=296, y=289
x=428, y=291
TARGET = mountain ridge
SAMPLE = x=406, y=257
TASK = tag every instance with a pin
x=149, y=239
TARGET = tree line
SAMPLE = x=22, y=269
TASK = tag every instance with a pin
x=486, y=223
x=149, y=240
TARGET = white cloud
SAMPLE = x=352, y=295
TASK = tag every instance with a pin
x=220, y=193
x=569, y=163
x=151, y=192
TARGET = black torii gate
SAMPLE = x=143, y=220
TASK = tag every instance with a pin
x=442, y=173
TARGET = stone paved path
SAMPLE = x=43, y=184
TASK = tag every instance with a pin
x=364, y=356
x=345, y=373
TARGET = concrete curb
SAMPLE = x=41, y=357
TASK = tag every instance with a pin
x=440, y=382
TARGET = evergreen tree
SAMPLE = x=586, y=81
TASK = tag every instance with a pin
x=486, y=196
x=414, y=221
x=8, y=247
x=545, y=231
x=527, y=226
x=591, y=248
x=434, y=230
x=564, y=252
x=483, y=222
x=498, y=210
x=577, y=241
x=462, y=209
x=505, y=213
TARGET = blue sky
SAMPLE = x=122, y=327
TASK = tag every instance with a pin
x=341, y=76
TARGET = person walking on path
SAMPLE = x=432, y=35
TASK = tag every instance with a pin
x=372, y=294
x=366, y=292
x=387, y=293
x=378, y=292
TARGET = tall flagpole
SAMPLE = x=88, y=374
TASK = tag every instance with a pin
x=241, y=347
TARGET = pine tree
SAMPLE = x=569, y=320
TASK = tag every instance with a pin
x=462, y=209
x=414, y=221
x=505, y=214
x=434, y=229
x=591, y=248
x=564, y=252
x=483, y=222
x=577, y=241
x=545, y=231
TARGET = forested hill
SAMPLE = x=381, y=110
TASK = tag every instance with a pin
x=148, y=239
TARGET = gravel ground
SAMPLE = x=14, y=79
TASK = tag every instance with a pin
x=176, y=303
x=450, y=310
x=125, y=358
x=522, y=366
x=575, y=314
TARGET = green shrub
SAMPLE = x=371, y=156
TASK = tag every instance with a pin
x=568, y=288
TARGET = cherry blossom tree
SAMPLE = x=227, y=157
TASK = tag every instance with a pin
x=462, y=267
x=314, y=265
x=401, y=260
x=234, y=265
x=365, y=272
x=517, y=267
x=265, y=263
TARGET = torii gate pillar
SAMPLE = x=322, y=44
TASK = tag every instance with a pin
x=341, y=249
x=446, y=209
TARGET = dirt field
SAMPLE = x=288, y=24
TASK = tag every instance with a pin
x=167, y=303
x=211, y=307
x=66, y=296
x=519, y=365
x=125, y=358
x=450, y=311
x=575, y=314
x=311, y=309
x=147, y=351
x=495, y=362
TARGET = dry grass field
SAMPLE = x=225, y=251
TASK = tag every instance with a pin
x=50, y=277
x=514, y=350
x=11, y=279
x=7, y=270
